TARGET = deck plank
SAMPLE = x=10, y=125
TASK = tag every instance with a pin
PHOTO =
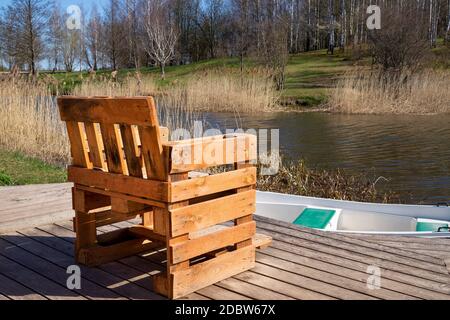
x=115, y=268
x=294, y=258
x=16, y=291
x=251, y=290
x=324, y=254
x=57, y=247
x=432, y=269
x=51, y=271
x=122, y=270
x=36, y=247
x=25, y=206
x=335, y=285
x=35, y=281
x=357, y=245
x=300, y=240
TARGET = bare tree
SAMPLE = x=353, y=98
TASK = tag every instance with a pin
x=210, y=23
x=401, y=43
x=71, y=48
x=28, y=22
x=131, y=33
x=92, y=39
x=161, y=35
x=8, y=39
x=114, y=33
x=274, y=49
x=55, y=35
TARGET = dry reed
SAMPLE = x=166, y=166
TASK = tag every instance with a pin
x=296, y=178
x=219, y=91
x=130, y=86
x=173, y=110
x=30, y=122
x=374, y=92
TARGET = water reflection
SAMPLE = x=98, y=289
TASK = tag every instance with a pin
x=413, y=152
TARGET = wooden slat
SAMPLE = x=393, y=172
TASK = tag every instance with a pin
x=99, y=255
x=149, y=202
x=108, y=217
x=156, y=163
x=211, y=151
x=95, y=143
x=261, y=241
x=212, y=271
x=209, y=213
x=85, y=201
x=144, y=232
x=165, y=135
x=202, y=186
x=78, y=145
x=150, y=189
x=195, y=247
x=133, y=111
x=131, y=150
x=113, y=149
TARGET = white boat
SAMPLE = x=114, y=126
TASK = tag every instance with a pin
x=355, y=217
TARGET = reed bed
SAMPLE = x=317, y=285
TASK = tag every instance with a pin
x=296, y=178
x=227, y=91
x=173, y=111
x=213, y=91
x=376, y=92
x=135, y=85
x=29, y=121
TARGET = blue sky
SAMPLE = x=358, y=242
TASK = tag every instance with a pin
x=85, y=4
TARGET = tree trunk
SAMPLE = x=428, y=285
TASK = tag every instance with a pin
x=447, y=38
x=343, y=39
x=331, y=36
x=163, y=71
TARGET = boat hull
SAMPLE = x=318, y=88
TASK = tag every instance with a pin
x=357, y=217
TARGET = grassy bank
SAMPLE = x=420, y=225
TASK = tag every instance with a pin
x=16, y=169
x=308, y=76
x=293, y=178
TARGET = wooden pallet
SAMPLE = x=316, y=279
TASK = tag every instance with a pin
x=124, y=167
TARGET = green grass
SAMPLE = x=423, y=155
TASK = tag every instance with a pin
x=16, y=169
x=309, y=76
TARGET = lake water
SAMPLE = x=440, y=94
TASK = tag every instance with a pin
x=412, y=152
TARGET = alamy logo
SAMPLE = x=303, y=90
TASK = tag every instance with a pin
x=374, y=280
x=73, y=22
x=374, y=20
x=74, y=280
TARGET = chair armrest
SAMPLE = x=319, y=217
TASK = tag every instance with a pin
x=202, y=153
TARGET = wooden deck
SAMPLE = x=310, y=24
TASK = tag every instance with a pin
x=36, y=247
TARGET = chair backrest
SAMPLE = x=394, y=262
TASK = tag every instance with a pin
x=116, y=135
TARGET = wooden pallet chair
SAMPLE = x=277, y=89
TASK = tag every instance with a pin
x=124, y=167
